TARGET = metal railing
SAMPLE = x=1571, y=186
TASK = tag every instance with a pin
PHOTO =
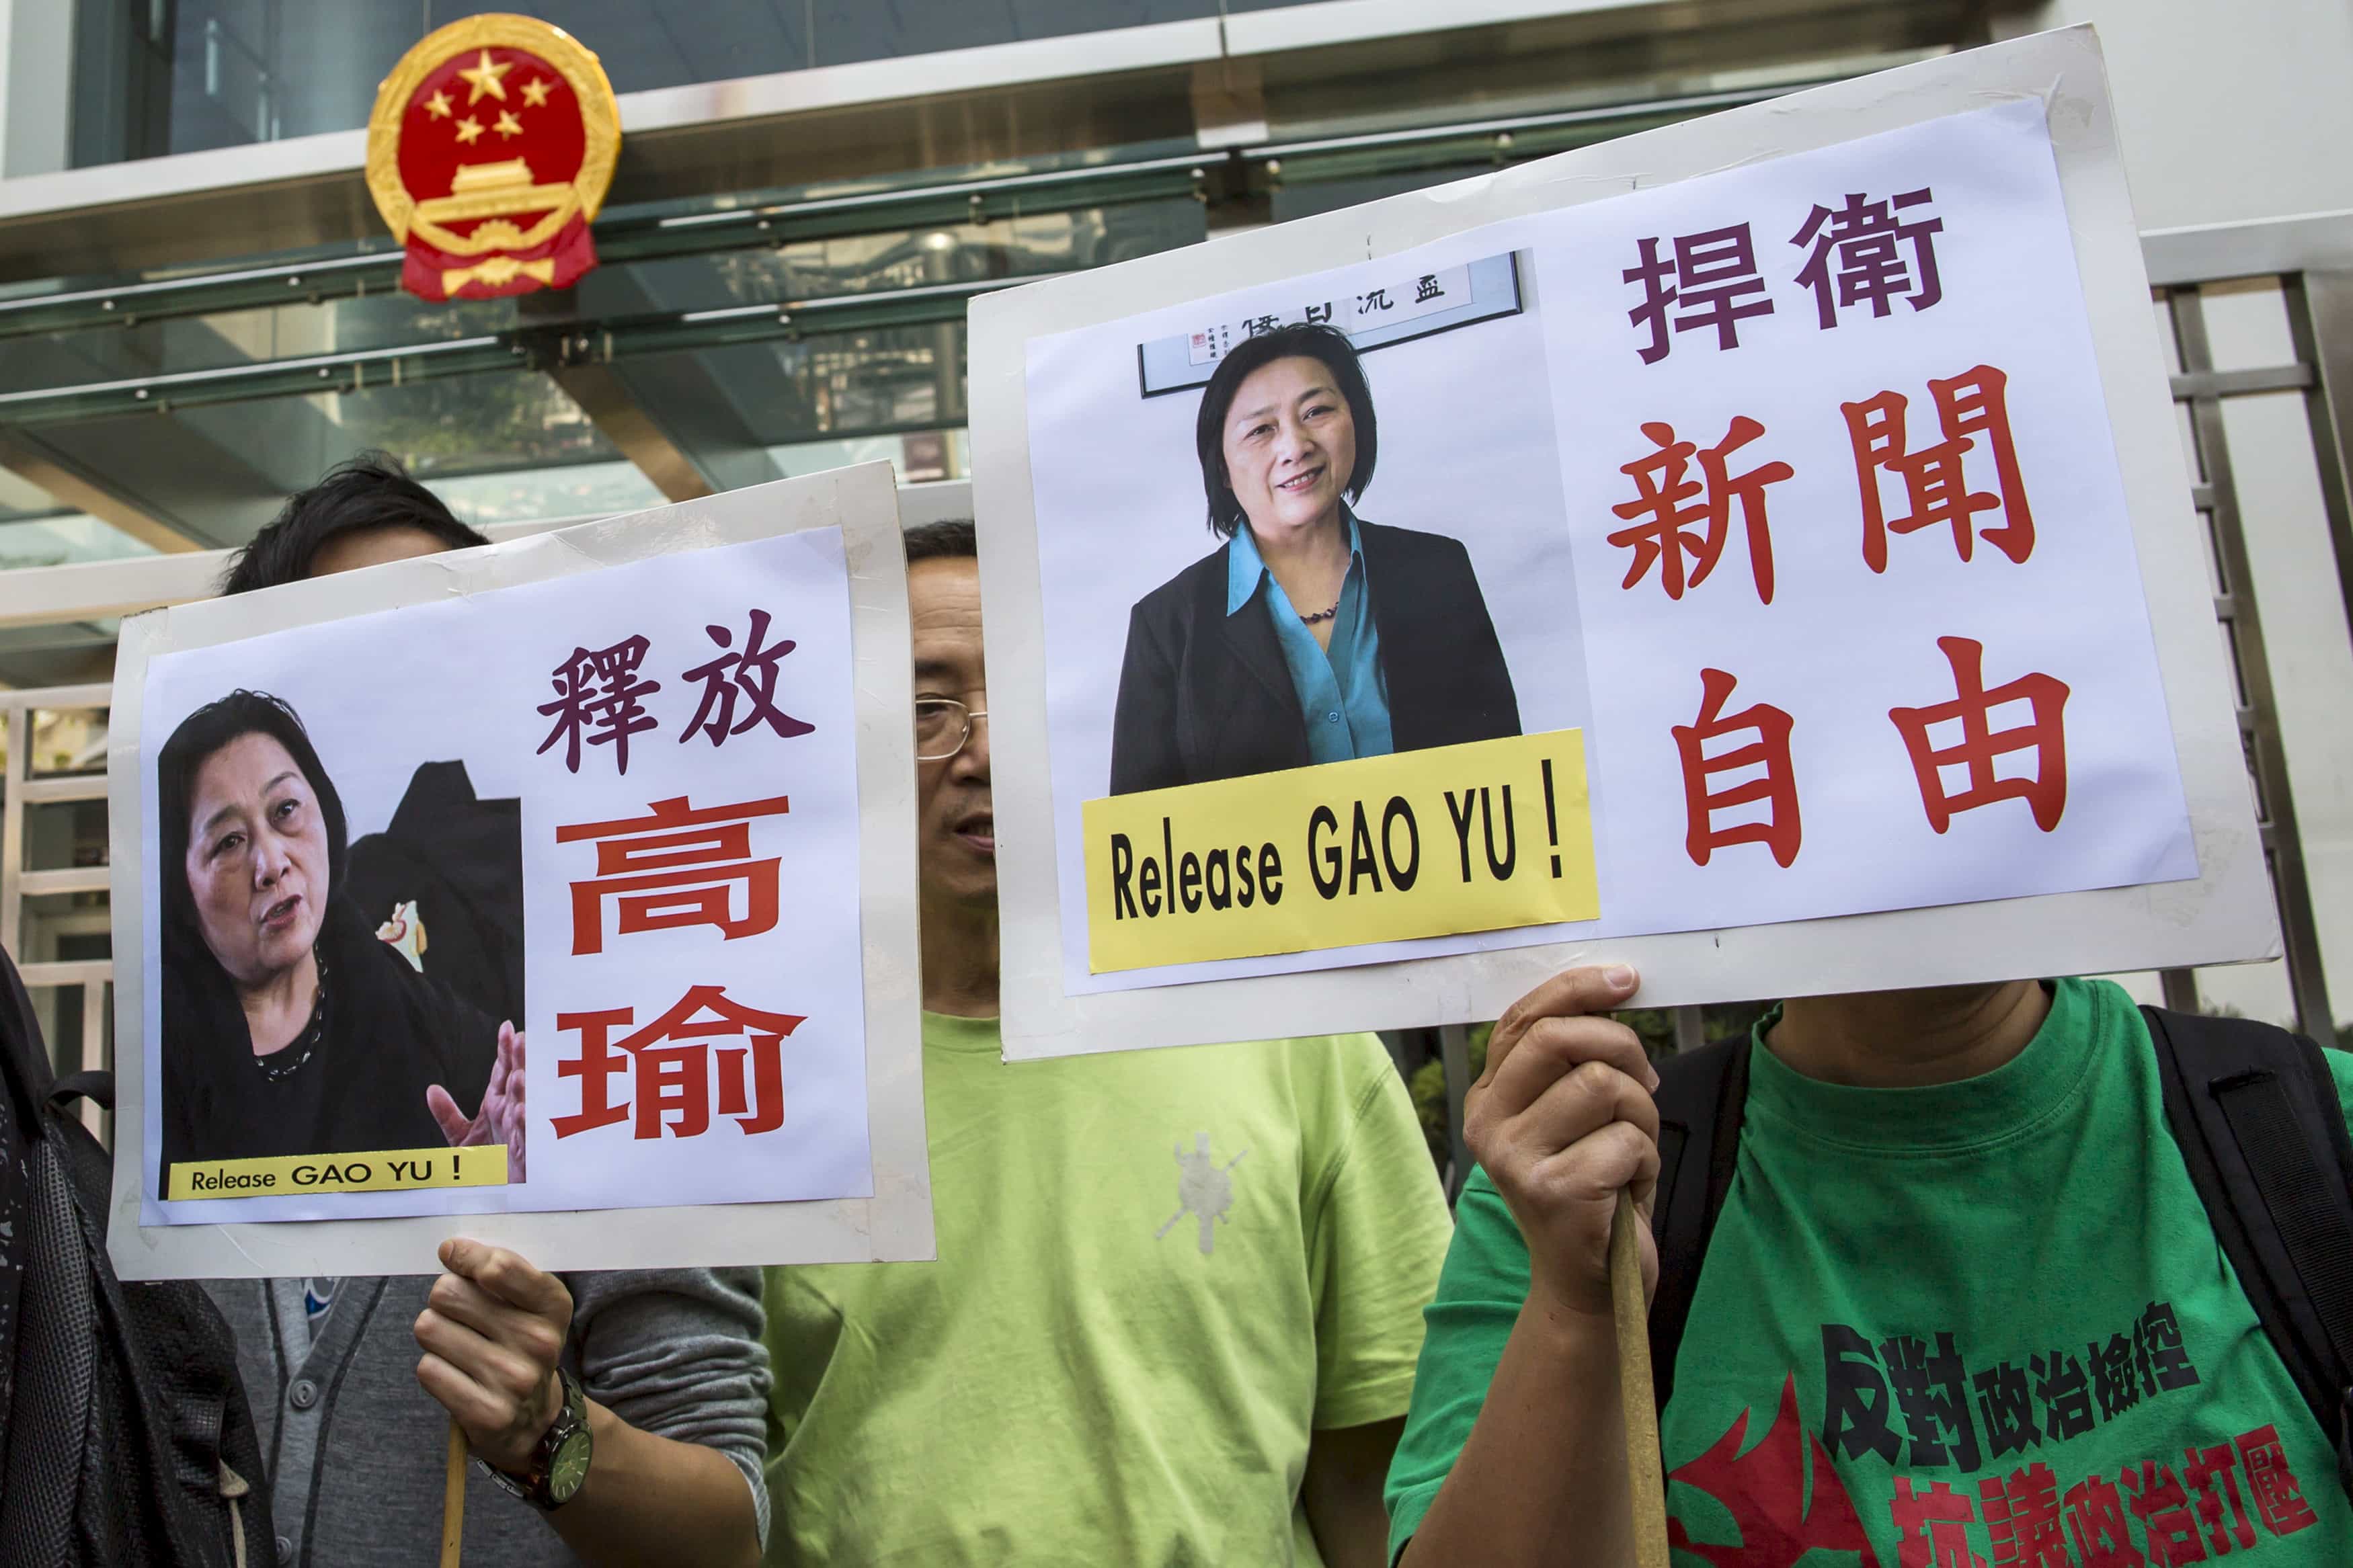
x=2196, y=271
x=20, y=790
x=2201, y=390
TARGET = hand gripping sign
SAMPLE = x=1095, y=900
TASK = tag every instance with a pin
x=489, y=150
x=1651, y=553
x=526, y=891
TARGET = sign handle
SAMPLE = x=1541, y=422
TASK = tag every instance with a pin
x=453, y=1496
x=1645, y=1473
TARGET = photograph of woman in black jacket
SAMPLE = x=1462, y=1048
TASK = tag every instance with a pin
x=1311, y=635
x=287, y=1027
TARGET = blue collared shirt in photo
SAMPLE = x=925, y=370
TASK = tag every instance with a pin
x=1341, y=691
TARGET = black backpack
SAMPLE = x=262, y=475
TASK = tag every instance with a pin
x=2258, y=1121
x=125, y=1439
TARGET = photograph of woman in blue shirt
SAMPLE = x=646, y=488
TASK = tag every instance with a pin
x=1312, y=635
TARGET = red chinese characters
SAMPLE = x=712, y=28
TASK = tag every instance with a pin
x=2146, y=1517
x=2212, y=1478
x=1673, y=504
x=1738, y=766
x=675, y=866
x=1957, y=738
x=1968, y=406
x=2021, y=1513
x=1713, y=747
x=1935, y=1521
x=674, y=869
x=1680, y=521
x=679, y=1077
x=2162, y=1508
x=1974, y=749
x=1902, y=1403
x=2279, y=1501
x=2095, y=1521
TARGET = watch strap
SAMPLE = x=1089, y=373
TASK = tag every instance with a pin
x=571, y=1416
x=503, y=1481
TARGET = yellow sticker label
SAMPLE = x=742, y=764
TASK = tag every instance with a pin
x=1481, y=837
x=373, y=1170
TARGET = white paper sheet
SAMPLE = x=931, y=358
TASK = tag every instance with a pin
x=788, y=1132
x=1841, y=646
x=2148, y=857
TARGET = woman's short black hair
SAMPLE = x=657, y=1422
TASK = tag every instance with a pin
x=1327, y=345
x=372, y=490
x=202, y=735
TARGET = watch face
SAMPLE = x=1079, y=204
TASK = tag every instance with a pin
x=569, y=1469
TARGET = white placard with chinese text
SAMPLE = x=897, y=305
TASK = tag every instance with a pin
x=1867, y=633
x=612, y=785
x=1857, y=500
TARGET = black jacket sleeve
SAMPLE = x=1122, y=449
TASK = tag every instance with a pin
x=1486, y=679
x=1144, y=750
x=464, y=1038
x=410, y=1031
x=1446, y=680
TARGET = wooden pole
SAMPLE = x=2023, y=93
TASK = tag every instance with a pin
x=453, y=1498
x=1645, y=1473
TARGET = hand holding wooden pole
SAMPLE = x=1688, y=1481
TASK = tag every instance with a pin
x=453, y=1495
x=1645, y=1473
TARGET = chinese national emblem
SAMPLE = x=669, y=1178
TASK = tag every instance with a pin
x=490, y=151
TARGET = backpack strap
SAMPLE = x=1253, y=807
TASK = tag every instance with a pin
x=24, y=1070
x=1700, y=1099
x=96, y=1086
x=2257, y=1118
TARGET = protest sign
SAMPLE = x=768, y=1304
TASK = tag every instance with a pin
x=1655, y=552
x=556, y=893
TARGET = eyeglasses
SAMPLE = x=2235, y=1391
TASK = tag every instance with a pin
x=943, y=725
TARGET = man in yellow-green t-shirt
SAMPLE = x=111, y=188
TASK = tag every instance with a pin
x=1178, y=1295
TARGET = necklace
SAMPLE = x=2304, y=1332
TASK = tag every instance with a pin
x=1322, y=614
x=281, y=1065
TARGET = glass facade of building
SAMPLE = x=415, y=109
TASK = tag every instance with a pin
x=159, y=76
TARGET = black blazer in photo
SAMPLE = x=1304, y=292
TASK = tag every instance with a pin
x=1204, y=695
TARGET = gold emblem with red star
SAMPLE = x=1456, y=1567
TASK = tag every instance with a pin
x=490, y=151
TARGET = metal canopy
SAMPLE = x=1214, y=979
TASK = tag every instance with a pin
x=574, y=336
x=626, y=236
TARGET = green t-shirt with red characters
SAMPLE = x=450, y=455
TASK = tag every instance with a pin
x=1974, y=1325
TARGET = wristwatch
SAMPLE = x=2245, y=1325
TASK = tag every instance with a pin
x=560, y=1462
